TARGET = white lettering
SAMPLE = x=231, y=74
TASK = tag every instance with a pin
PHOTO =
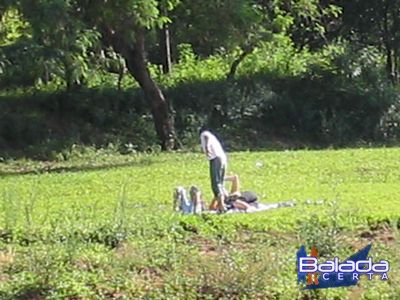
x=323, y=276
x=310, y=265
x=336, y=260
x=328, y=267
x=364, y=266
x=348, y=266
x=382, y=267
x=307, y=265
x=384, y=276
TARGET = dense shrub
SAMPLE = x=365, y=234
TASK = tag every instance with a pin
x=316, y=109
x=37, y=124
x=320, y=108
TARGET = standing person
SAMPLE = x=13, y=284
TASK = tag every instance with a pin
x=218, y=162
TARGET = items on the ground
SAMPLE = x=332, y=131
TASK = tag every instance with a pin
x=195, y=205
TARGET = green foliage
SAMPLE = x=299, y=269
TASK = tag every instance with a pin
x=332, y=97
x=13, y=27
x=201, y=21
x=64, y=39
x=191, y=69
x=295, y=80
x=390, y=122
x=364, y=21
x=322, y=235
x=143, y=13
x=313, y=23
x=50, y=51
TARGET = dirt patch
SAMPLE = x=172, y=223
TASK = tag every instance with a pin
x=4, y=277
x=355, y=293
x=149, y=272
x=34, y=294
x=245, y=241
x=148, y=279
x=206, y=246
x=213, y=248
x=382, y=235
x=6, y=258
x=358, y=239
x=128, y=250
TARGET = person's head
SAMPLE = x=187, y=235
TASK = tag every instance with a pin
x=179, y=192
x=195, y=193
x=202, y=129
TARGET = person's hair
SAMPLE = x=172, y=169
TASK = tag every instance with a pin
x=234, y=197
x=202, y=129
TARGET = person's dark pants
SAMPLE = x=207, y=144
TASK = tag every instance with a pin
x=217, y=174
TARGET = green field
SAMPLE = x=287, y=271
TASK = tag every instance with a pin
x=100, y=225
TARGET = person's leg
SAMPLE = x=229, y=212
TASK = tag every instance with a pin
x=217, y=172
x=214, y=184
x=214, y=204
x=239, y=204
x=179, y=198
x=182, y=202
x=196, y=198
x=221, y=189
x=235, y=188
x=176, y=201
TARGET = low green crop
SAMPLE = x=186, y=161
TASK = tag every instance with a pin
x=102, y=227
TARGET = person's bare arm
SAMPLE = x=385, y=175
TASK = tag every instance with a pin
x=175, y=202
x=235, y=188
x=239, y=204
x=206, y=146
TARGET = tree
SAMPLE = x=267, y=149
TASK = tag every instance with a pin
x=240, y=26
x=220, y=26
x=165, y=43
x=123, y=25
x=66, y=31
x=375, y=22
x=309, y=23
x=58, y=41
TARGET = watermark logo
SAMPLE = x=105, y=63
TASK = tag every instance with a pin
x=317, y=274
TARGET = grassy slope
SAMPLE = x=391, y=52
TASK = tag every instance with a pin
x=83, y=206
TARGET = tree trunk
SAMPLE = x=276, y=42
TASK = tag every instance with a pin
x=165, y=49
x=396, y=65
x=135, y=57
x=390, y=63
x=237, y=61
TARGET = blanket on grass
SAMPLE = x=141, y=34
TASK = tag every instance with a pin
x=256, y=207
x=186, y=205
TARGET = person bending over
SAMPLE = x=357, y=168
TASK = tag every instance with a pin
x=218, y=163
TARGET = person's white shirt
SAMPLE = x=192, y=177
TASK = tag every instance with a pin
x=214, y=146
